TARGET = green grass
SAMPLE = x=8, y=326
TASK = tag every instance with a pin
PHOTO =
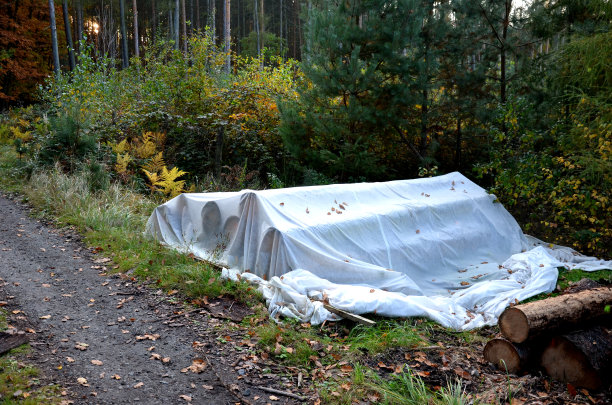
x=19, y=382
x=387, y=334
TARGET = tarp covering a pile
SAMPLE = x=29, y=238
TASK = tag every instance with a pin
x=438, y=247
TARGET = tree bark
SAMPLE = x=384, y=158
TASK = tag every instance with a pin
x=125, y=62
x=557, y=313
x=581, y=358
x=56, y=61
x=69, y=42
x=184, y=20
x=508, y=356
x=177, y=22
x=226, y=34
x=136, y=47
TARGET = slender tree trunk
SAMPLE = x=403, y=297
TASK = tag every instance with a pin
x=191, y=17
x=177, y=32
x=262, y=23
x=79, y=19
x=68, y=35
x=125, y=62
x=280, y=34
x=458, y=145
x=154, y=19
x=56, y=61
x=185, y=39
x=502, y=74
x=135, y=10
x=226, y=34
x=197, y=16
x=256, y=26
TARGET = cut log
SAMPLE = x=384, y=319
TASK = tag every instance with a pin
x=555, y=314
x=9, y=341
x=510, y=357
x=581, y=358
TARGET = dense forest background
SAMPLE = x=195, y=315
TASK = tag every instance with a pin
x=175, y=95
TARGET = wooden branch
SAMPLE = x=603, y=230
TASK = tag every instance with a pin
x=348, y=315
x=285, y=393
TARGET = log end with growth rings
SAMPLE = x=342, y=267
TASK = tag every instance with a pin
x=514, y=325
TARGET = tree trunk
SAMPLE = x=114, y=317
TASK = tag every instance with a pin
x=184, y=20
x=125, y=62
x=79, y=19
x=502, y=79
x=197, y=16
x=262, y=24
x=581, y=358
x=135, y=10
x=557, y=313
x=69, y=42
x=177, y=22
x=458, y=141
x=154, y=19
x=56, y=61
x=226, y=34
x=256, y=26
x=508, y=356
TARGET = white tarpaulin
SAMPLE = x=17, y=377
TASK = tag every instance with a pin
x=437, y=247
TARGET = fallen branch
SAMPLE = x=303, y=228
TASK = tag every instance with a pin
x=9, y=341
x=348, y=315
x=285, y=393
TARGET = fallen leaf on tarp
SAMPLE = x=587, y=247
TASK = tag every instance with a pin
x=197, y=366
x=465, y=283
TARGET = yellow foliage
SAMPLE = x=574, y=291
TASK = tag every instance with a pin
x=120, y=147
x=168, y=183
x=18, y=134
x=155, y=164
x=122, y=163
x=153, y=178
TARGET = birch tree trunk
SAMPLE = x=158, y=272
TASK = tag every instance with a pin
x=68, y=35
x=56, y=61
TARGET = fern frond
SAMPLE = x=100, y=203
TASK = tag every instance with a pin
x=168, y=182
x=120, y=147
x=153, y=178
x=155, y=164
x=122, y=163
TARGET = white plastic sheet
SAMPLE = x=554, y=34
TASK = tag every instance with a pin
x=438, y=247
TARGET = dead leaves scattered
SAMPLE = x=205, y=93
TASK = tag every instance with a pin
x=81, y=346
x=148, y=337
x=197, y=366
x=97, y=362
x=83, y=381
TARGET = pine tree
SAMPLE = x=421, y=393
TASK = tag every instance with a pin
x=369, y=66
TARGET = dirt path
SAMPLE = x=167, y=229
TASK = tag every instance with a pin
x=122, y=338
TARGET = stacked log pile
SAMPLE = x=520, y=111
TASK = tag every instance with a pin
x=568, y=337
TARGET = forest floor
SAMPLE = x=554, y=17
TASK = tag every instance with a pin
x=104, y=337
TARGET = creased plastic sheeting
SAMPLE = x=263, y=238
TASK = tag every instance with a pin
x=427, y=247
